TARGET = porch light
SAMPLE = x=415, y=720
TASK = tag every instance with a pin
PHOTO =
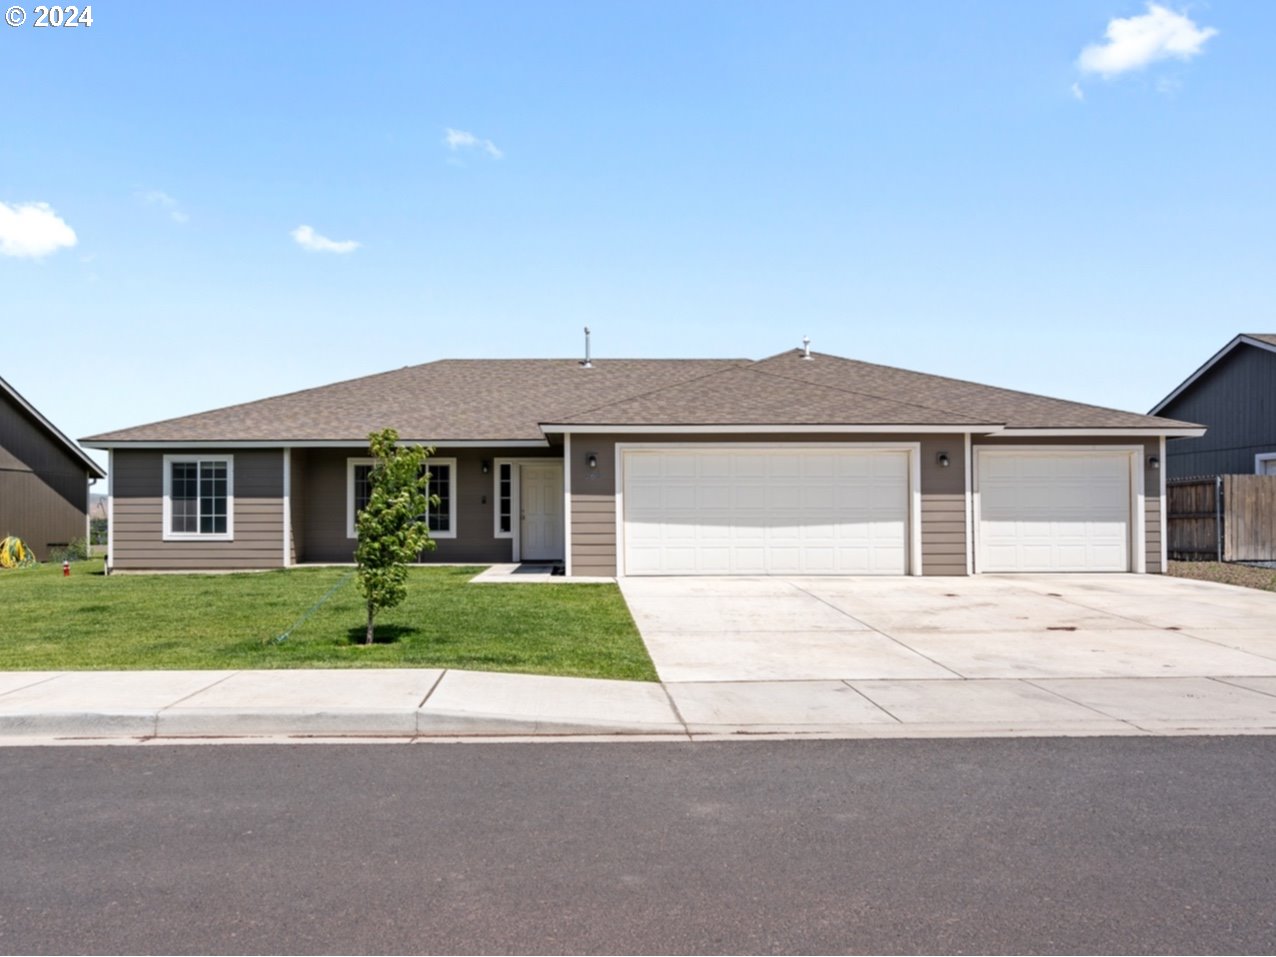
x=487, y=466
x=942, y=459
x=1153, y=462
x=591, y=460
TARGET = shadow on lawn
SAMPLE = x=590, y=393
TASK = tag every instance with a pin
x=385, y=634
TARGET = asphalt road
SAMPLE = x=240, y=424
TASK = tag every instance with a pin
x=1025, y=846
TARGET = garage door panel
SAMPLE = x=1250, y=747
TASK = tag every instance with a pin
x=1054, y=511
x=784, y=512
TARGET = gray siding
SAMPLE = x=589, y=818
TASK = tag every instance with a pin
x=322, y=530
x=44, y=490
x=593, y=495
x=1151, y=482
x=137, y=535
x=1236, y=402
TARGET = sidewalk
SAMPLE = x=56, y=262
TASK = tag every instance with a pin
x=409, y=704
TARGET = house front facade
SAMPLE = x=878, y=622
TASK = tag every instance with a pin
x=1234, y=395
x=800, y=464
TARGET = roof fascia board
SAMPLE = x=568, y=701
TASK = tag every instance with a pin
x=1209, y=364
x=764, y=427
x=1113, y=432
x=57, y=433
x=314, y=444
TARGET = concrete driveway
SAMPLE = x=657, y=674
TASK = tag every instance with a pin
x=985, y=627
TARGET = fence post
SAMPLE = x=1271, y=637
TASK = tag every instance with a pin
x=1218, y=518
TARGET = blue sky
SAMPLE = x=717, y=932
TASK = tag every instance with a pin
x=951, y=187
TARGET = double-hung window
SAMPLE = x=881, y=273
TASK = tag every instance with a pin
x=440, y=519
x=199, y=498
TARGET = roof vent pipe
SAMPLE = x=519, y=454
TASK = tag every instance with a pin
x=587, y=364
x=806, y=347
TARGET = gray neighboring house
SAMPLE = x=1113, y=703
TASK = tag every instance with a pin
x=799, y=464
x=44, y=478
x=1234, y=394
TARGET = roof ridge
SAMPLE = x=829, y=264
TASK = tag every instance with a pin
x=736, y=364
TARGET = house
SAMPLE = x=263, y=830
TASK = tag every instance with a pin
x=803, y=463
x=1234, y=393
x=44, y=478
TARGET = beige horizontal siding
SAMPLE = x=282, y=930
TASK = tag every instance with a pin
x=257, y=524
x=943, y=528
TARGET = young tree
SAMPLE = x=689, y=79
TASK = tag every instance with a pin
x=392, y=527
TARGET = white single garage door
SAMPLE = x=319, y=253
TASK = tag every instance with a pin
x=1055, y=511
x=765, y=512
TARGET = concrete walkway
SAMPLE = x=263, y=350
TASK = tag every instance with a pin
x=408, y=704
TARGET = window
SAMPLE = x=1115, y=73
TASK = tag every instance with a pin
x=504, y=500
x=442, y=517
x=441, y=520
x=199, y=500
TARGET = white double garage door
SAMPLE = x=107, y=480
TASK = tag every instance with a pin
x=854, y=511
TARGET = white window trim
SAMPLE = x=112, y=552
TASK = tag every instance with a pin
x=1136, y=541
x=912, y=531
x=350, y=466
x=496, y=496
x=352, y=533
x=1259, y=460
x=169, y=534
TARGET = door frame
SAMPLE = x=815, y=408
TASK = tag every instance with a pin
x=913, y=516
x=516, y=464
x=1136, y=532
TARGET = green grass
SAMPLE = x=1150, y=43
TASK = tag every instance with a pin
x=90, y=621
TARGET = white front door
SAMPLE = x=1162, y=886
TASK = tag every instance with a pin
x=541, y=513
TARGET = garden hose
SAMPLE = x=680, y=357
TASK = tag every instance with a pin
x=14, y=554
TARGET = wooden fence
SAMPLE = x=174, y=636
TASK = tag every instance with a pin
x=1230, y=518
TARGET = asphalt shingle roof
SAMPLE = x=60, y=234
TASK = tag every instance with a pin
x=510, y=399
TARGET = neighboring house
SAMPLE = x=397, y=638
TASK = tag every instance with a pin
x=800, y=464
x=1234, y=394
x=44, y=478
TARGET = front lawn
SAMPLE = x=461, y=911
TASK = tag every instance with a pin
x=90, y=621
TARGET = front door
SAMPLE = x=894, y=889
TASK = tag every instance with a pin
x=541, y=514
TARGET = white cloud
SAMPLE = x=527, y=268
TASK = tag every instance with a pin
x=1131, y=43
x=1077, y=91
x=307, y=238
x=157, y=197
x=32, y=230
x=461, y=140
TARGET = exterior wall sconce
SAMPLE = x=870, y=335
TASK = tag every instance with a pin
x=942, y=459
x=591, y=460
x=1153, y=462
x=487, y=466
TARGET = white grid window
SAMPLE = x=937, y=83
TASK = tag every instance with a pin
x=198, y=498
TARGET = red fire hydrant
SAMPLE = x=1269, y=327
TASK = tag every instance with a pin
x=66, y=568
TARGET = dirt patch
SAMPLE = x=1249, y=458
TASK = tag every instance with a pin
x=1227, y=573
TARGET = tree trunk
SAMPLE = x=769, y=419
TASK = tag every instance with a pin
x=367, y=638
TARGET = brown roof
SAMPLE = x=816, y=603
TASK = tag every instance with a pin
x=1267, y=337
x=462, y=399
x=501, y=399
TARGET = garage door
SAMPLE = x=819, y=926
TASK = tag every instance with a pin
x=1053, y=511
x=762, y=512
